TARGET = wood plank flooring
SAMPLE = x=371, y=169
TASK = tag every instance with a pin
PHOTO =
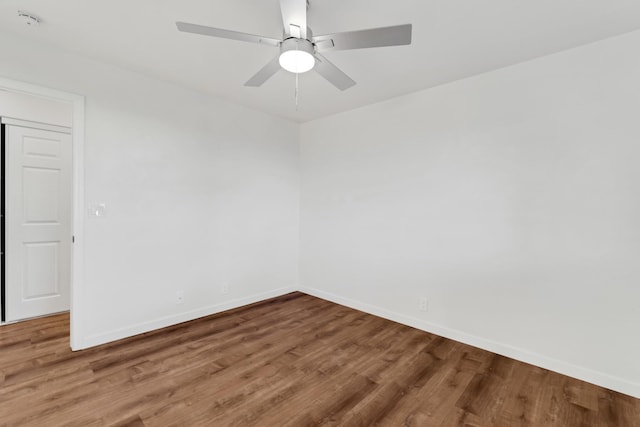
x=292, y=361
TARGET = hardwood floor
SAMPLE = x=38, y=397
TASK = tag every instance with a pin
x=291, y=361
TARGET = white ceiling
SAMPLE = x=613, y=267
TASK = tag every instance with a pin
x=452, y=39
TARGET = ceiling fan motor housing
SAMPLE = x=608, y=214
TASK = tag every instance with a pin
x=293, y=43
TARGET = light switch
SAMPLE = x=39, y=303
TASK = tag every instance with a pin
x=97, y=210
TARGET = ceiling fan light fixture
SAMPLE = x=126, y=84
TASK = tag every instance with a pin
x=296, y=55
x=301, y=51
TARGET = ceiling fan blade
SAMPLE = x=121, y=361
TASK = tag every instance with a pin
x=225, y=34
x=333, y=74
x=396, y=35
x=265, y=73
x=294, y=17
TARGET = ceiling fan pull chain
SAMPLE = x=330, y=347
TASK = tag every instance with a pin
x=297, y=92
x=297, y=87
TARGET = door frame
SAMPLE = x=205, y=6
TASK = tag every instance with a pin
x=77, y=194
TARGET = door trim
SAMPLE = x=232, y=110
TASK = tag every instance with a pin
x=77, y=217
x=3, y=232
x=34, y=125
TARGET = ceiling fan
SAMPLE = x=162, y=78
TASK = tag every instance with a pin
x=300, y=49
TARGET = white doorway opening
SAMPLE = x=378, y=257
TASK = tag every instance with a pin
x=77, y=192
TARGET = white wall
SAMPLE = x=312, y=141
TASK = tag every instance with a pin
x=511, y=200
x=199, y=193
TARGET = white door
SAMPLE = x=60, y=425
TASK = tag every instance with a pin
x=38, y=222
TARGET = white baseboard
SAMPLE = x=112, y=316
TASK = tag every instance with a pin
x=163, y=322
x=565, y=368
x=595, y=377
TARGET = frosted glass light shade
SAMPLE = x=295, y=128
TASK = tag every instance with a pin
x=297, y=61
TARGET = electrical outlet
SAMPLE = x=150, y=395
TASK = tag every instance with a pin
x=224, y=288
x=423, y=304
x=179, y=297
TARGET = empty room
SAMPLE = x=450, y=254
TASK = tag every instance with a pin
x=320, y=212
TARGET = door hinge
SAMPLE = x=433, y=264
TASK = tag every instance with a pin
x=73, y=239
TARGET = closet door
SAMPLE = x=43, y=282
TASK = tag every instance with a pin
x=38, y=221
